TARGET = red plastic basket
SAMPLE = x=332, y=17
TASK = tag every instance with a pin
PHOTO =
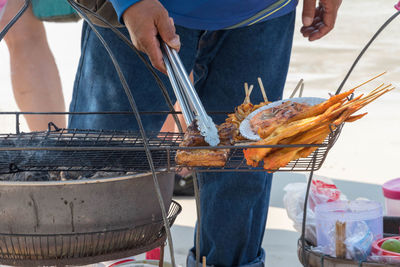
x=377, y=250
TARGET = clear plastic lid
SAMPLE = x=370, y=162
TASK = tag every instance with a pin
x=357, y=210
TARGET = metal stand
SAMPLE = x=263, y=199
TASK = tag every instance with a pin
x=14, y=19
x=161, y=261
x=311, y=163
x=198, y=227
x=303, y=227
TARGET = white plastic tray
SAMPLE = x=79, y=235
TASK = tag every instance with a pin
x=245, y=128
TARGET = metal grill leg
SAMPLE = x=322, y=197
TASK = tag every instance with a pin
x=303, y=229
x=161, y=260
x=197, y=198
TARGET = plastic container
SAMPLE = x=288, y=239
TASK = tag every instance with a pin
x=391, y=191
x=351, y=212
x=397, y=6
x=3, y=4
x=317, y=259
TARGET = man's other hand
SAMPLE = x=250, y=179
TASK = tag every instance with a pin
x=318, y=21
x=145, y=20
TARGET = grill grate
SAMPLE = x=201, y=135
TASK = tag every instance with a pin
x=236, y=161
x=83, y=248
x=89, y=150
x=82, y=150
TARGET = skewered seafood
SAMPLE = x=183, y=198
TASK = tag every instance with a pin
x=244, y=110
x=289, y=123
x=276, y=115
x=310, y=126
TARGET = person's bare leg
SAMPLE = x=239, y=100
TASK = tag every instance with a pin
x=169, y=124
x=34, y=74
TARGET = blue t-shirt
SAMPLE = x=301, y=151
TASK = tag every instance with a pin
x=218, y=14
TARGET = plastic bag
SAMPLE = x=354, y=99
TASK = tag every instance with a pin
x=322, y=190
x=359, y=241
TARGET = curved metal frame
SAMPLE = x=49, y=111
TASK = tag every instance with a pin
x=132, y=102
x=385, y=24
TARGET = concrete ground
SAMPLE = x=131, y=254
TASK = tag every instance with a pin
x=367, y=152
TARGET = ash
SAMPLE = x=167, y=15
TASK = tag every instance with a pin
x=44, y=176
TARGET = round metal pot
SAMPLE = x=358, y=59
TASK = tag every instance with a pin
x=80, y=206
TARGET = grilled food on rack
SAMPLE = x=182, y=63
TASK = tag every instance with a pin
x=310, y=126
x=289, y=123
x=205, y=157
x=244, y=110
x=228, y=133
x=278, y=114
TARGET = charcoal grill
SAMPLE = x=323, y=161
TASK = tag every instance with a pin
x=83, y=248
x=93, y=150
x=82, y=221
x=83, y=150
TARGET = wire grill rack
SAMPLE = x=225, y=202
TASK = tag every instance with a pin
x=90, y=150
x=83, y=248
x=80, y=150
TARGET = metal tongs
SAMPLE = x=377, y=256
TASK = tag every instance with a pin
x=192, y=108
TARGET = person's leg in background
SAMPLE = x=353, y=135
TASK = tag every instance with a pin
x=34, y=74
x=234, y=206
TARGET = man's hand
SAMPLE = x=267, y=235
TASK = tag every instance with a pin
x=145, y=20
x=318, y=21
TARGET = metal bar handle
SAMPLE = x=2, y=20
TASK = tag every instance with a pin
x=192, y=94
x=187, y=114
x=204, y=122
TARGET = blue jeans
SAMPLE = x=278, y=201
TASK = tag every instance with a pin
x=234, y=206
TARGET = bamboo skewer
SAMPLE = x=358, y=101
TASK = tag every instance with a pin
x=247, y=91
x=377, y=88
x=247, y=95
x=373, y=78
x=250, y=90
x=332, y=112
x=299, y=85
x=262, y=89
x=340, y=239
